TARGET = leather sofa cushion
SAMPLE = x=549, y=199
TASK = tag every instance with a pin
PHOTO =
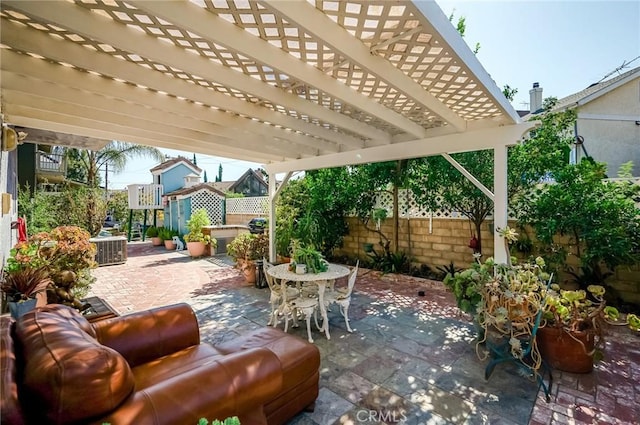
x=67, y=372
x=159, y=370
x=299, y=359
x=9, y=405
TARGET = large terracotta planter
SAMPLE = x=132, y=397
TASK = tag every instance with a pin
x=248, y=269
x=563, y=352
x=196, y=249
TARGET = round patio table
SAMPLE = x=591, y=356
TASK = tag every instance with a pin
x=321, y=279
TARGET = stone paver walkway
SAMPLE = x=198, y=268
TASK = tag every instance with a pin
x=410, y=360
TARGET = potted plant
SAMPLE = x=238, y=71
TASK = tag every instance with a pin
x=25, y=278
x=246, y=248
x=574, y=328
x=311, y=258
x=467, y=284
x=154, y=233
x=196, y=240
x=511, y=302
x=167, y=235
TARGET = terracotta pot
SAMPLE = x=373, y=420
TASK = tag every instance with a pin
x=196, y=249
x=563, y=351
x=248, y=269
x=170, y=245
x=156, y=241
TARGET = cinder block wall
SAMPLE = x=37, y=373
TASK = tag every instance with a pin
x=434, y=243
x=242, y=219
x=446, y=240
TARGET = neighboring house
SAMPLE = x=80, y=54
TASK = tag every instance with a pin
x=182, y=202
x=251, y=183
x=42, y=167
x=184, y=192
x=608, y=124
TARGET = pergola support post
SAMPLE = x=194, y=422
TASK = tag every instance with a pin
x=274, y=191
x=500, y=204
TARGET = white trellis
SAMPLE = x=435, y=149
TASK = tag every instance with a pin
x=409, y=207
x=214, y=204
x=254, y=205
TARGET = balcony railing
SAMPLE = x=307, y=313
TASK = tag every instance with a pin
x=51, y=163
x=145, y=196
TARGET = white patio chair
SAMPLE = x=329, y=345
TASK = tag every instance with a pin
x=307, y=305
x=275, y=297
x=342, y=297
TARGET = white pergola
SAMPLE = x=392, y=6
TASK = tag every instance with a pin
x=295, y=85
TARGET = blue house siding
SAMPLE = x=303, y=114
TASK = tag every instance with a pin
x=185, y=213
x=173, y=179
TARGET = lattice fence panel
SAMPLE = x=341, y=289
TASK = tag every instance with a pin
x=254, y=205
x=212, y=203
x=409, y=207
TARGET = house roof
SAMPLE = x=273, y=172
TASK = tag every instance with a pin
x=195, y=188
x=594, y=91
x=170, y=163
x=248, y=173
x=292, y=85
x=222, y=186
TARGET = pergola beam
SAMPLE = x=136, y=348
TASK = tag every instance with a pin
x=104, y=29
x=487, y=138
x=319, y=25
x=38, y=42
x=216, y=30
x=71, y=77
x=21, y=114
x=18, y=87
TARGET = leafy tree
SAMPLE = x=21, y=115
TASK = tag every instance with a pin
x=38, y=209
x=438, y=185
x=115, y=155
x=369, y=180
x=87, y=163
x=73, y=206
x=461, y=27
x=599, y=218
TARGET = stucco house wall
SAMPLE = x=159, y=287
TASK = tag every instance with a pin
x=607, y=136
x=8, y=185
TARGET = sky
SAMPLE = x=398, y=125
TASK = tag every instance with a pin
x=564, y=45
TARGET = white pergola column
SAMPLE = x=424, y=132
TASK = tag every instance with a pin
x=500, y=203
x=272, y=219
x=274, y=191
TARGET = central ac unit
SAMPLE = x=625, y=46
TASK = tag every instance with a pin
x=110, y=250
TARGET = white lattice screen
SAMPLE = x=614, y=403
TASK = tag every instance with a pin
x=255, y=205
x=409, y=208
x=212, y=203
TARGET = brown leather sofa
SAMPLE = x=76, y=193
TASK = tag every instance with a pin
x=148, y=368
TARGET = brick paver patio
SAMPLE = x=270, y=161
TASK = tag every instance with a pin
x=411, y=359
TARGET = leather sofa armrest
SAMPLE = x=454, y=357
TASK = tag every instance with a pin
x=235, y=384
x=146, y=335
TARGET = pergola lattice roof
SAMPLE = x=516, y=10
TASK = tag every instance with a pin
x=293, y=84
